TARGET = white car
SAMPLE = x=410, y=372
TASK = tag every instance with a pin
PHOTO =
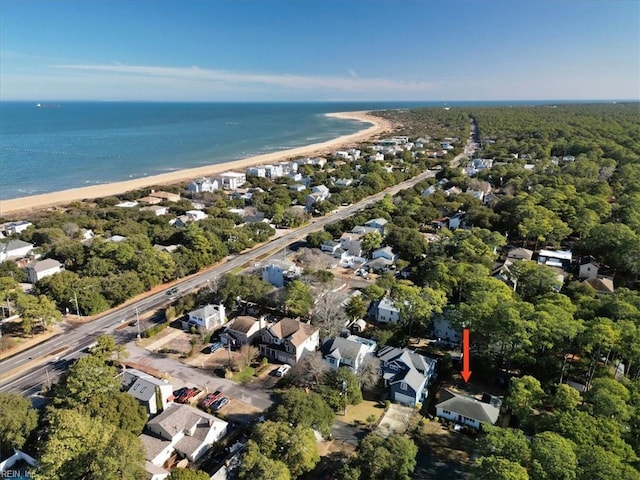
x=282, y=370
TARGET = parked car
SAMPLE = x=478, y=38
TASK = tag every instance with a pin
x=215, y=347
x=219, y=404
x=211, y=398
x=187, y=395
x=282, y=370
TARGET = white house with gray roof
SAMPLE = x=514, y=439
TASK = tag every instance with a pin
x=406, y=374
x=349, y=352
x=153, y=393
x=38, y=269
x=14, y=249
x=209, y=317
x=466, y=410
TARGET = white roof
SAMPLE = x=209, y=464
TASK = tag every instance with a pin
x=560, y=254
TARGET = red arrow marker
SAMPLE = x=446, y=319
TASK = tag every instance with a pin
x=466, y=373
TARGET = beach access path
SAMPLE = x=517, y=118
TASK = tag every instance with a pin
x=377, y=126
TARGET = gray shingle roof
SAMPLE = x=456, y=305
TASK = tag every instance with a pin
x=469, y=407
x=342, y=348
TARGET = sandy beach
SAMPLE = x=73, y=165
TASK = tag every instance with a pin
x=23, y=204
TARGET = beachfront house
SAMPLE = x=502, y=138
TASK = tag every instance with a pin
x=204, y=185
x=15, y=228
x=232, y=180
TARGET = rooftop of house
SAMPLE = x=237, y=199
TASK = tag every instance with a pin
x=206, y=311
x=14, y=245
x=343, y=348
x=242, y=324
x=42, y=265
x=601, y=284
x=177, y=418
x=377, y=221
x=468, y=407
x=410, y=358
x=559, y=254
x=295, y=330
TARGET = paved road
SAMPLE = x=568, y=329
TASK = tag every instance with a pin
x=43, y=363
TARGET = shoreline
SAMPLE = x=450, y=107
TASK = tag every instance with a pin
x=34, y=202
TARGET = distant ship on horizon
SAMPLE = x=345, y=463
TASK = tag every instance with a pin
x=47, y=105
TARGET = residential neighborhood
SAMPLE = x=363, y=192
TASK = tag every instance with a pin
x=470, y=307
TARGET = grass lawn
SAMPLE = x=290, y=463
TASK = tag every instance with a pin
x=358, y=414
x=244, y=376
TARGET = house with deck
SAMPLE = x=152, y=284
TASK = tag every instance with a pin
x=14, y=249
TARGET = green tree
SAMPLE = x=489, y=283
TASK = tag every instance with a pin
x=566, y=398
x=498, y=468
x=248, y=287
x=78, y=446
x=370, y=241
x=533, y=280
x=392, y=458
x=340, y=388
x=295, y=446
x=298, y=300
x=188, y=474
x=553, y=457
x=255, y=464
x=17, y=421
x=119, y=409
x=356, y=307
x=525, y=394
x=303, y=408
x=507, y=443
x=86, y=378
x=609, y=398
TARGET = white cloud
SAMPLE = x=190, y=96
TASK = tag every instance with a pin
x=285, y=81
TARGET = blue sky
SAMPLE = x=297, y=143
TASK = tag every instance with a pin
x=306, y=50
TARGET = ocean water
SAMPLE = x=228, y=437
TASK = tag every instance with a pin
x=76, y=144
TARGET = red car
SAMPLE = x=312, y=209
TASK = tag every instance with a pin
x=211, y=398
x=187, y=395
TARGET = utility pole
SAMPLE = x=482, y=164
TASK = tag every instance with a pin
x=75, y=298
x=138, y=323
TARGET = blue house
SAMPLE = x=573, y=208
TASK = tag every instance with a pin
x=406, y=374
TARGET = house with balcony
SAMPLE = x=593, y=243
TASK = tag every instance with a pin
x=204, y=185
x=232, y=180
x=289, y=340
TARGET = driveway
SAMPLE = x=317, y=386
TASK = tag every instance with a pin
x=395, y=420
